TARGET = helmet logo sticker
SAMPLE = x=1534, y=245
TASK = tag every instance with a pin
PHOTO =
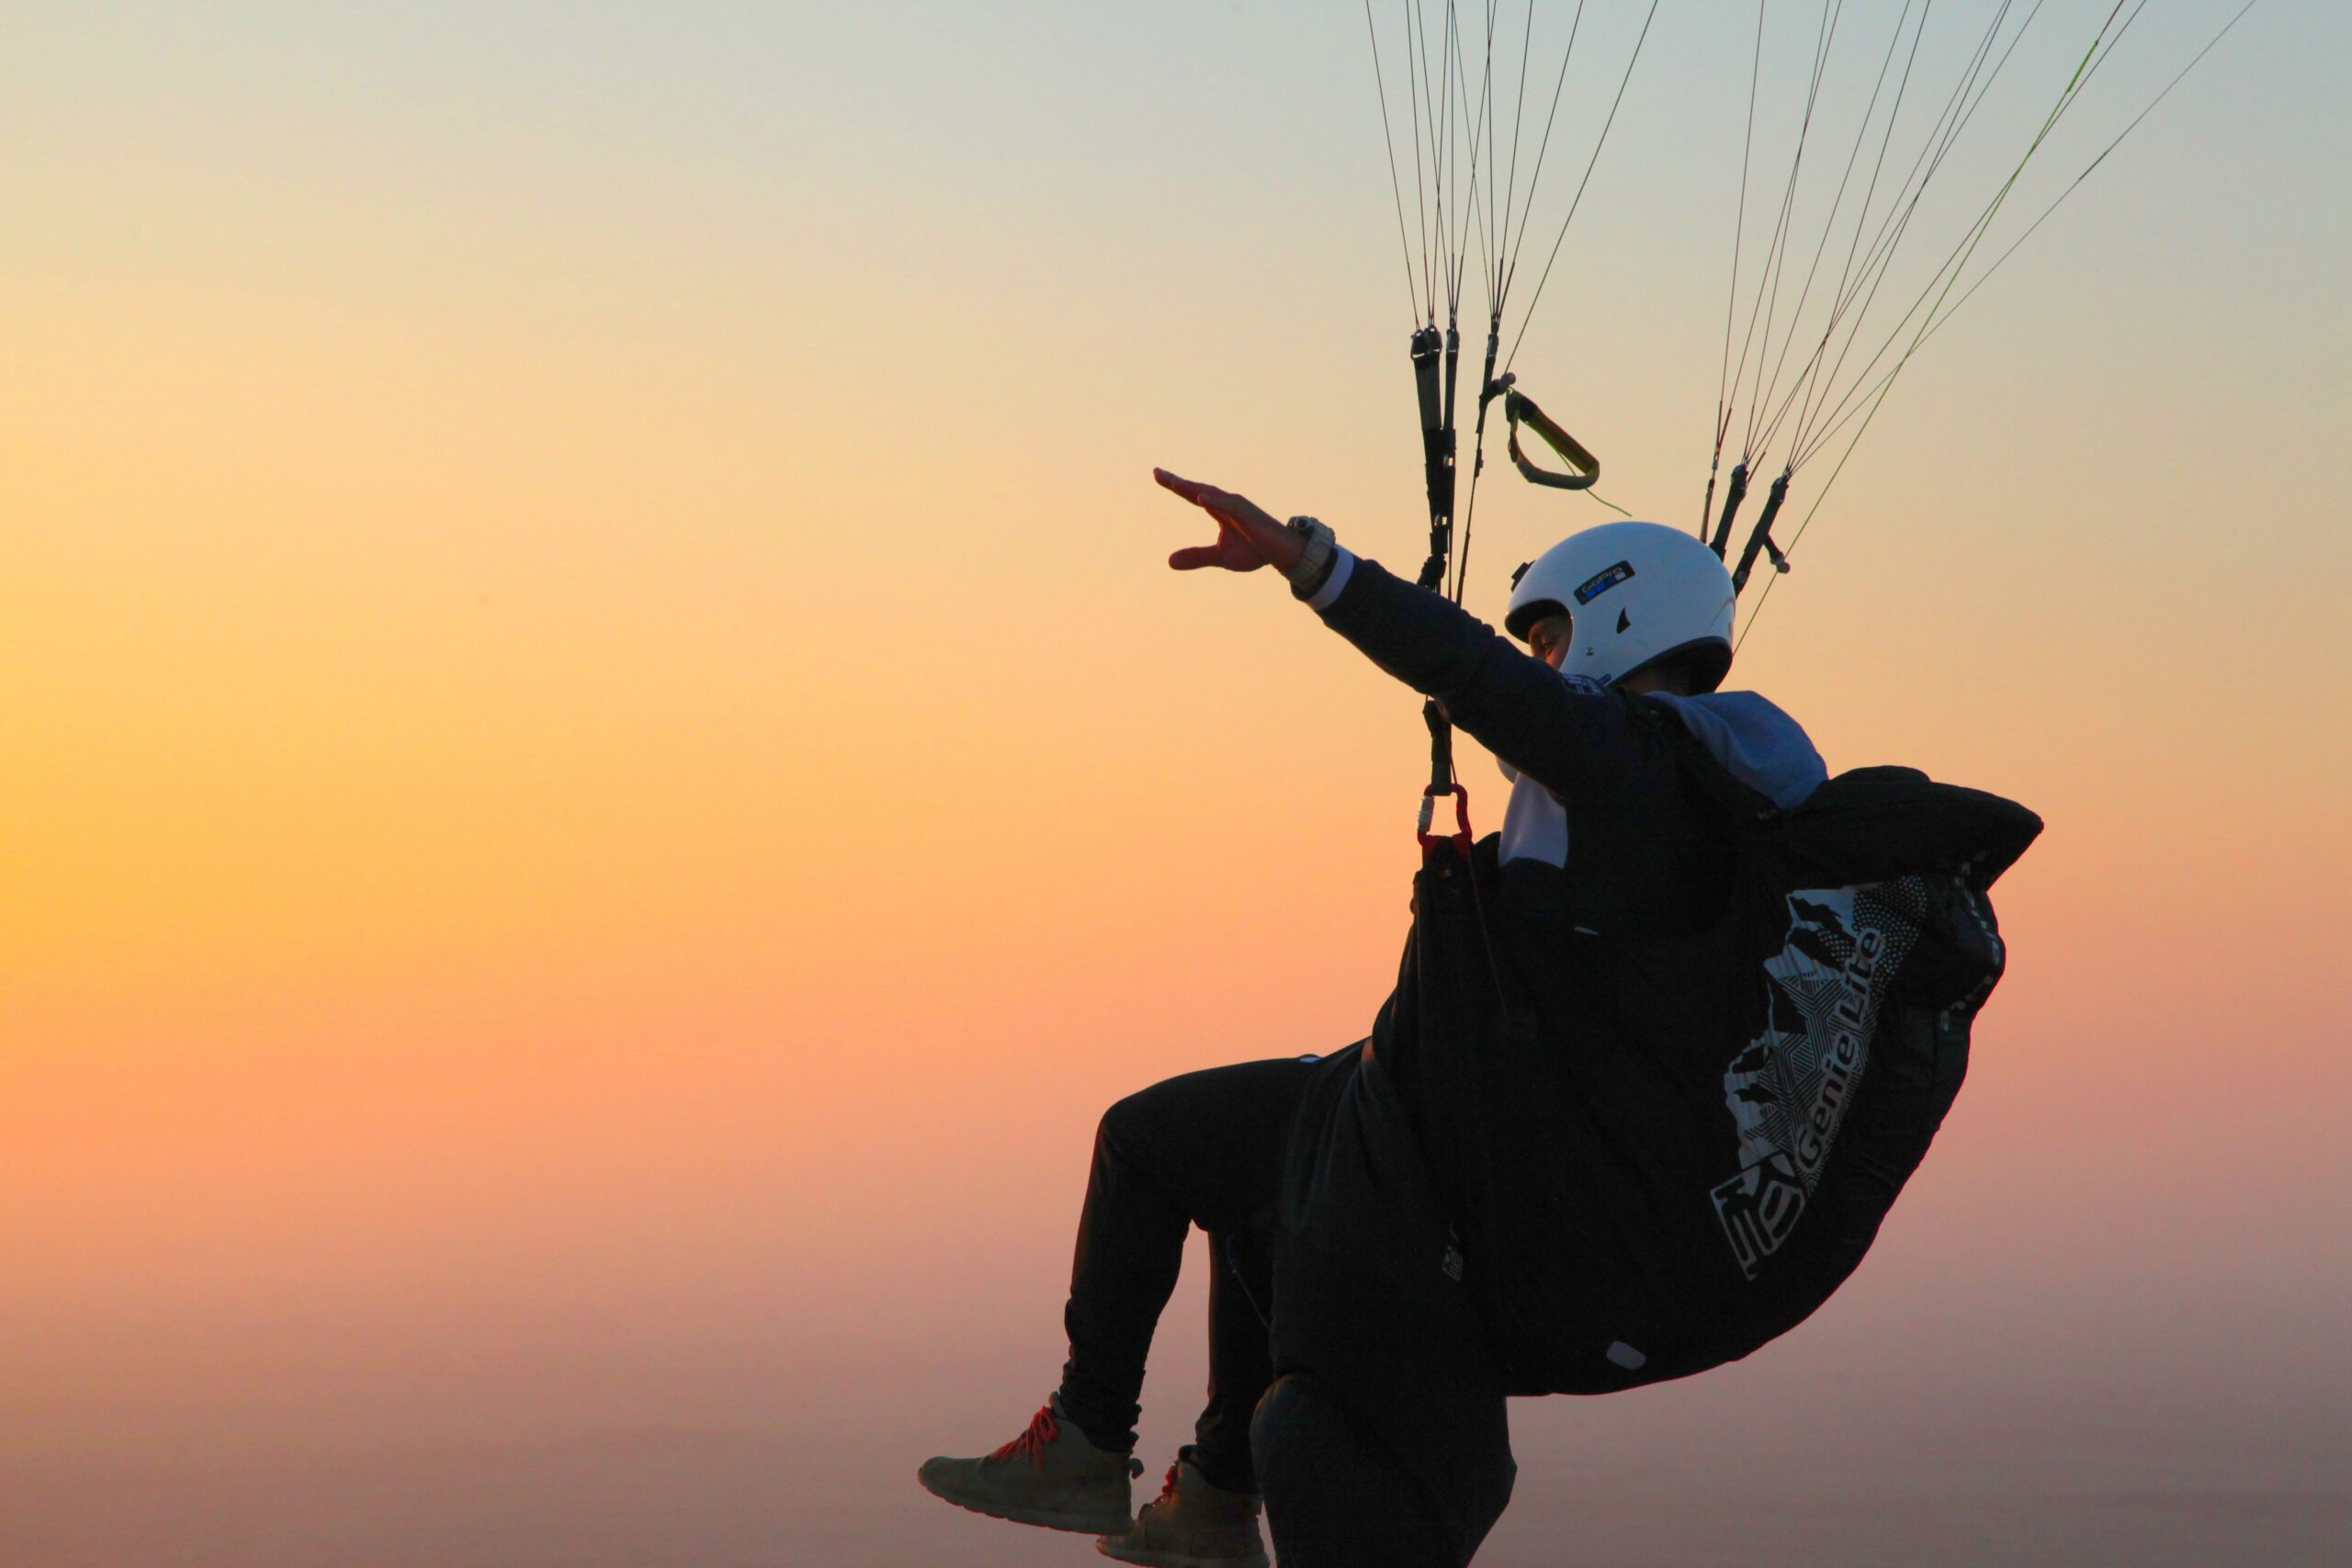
x=1623, y=620
x=1601, y=582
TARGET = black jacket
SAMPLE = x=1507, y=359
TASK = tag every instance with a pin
x=1649, y=849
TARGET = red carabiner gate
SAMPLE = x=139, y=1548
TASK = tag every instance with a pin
x=1460, y=838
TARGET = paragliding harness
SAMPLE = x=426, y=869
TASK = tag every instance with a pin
x=1624, y=1157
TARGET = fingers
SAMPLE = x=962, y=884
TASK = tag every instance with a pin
x=1191, y=489
x=1221, y=503
x=1195, y=556
x=1224, y=505
x=1207, y=497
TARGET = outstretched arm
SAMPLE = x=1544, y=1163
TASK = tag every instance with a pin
x=1568, y=734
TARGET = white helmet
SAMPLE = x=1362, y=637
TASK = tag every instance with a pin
x=1638, y=592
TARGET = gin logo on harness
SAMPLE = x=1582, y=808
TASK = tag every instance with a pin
x=1788, y=1092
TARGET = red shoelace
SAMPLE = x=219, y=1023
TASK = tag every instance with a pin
x=1043, y=1429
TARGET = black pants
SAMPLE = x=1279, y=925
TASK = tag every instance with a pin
x=1204, y=1149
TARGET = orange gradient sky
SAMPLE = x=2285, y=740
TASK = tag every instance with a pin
x=605, y=775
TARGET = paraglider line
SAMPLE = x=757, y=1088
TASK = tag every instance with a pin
x=1578, y=199
x=1388, y=141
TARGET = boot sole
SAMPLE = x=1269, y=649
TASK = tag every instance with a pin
x=1044, y=1518
x=1150, y=1559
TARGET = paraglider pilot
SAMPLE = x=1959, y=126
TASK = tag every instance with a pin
x=1617, y=614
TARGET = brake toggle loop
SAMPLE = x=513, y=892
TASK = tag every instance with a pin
x=1520, y=408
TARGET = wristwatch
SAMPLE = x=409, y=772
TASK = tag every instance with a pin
x=1318, y=549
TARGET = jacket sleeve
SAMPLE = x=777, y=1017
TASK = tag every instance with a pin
x=1573, y=737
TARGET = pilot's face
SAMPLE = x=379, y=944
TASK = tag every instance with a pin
x=1548, y=638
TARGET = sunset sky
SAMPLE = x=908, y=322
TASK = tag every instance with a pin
x=604, y=775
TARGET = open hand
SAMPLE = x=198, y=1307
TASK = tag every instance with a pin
x=1246, y=536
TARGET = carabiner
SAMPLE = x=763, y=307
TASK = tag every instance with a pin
x=1460, y=838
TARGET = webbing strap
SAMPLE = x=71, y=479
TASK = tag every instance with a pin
x=1733, y=496
x=1761, y=538
x=1441, y=750
x=1434, y=358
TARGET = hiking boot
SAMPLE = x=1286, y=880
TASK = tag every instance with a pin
x=1191, y=1524
x=1050, y=1475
